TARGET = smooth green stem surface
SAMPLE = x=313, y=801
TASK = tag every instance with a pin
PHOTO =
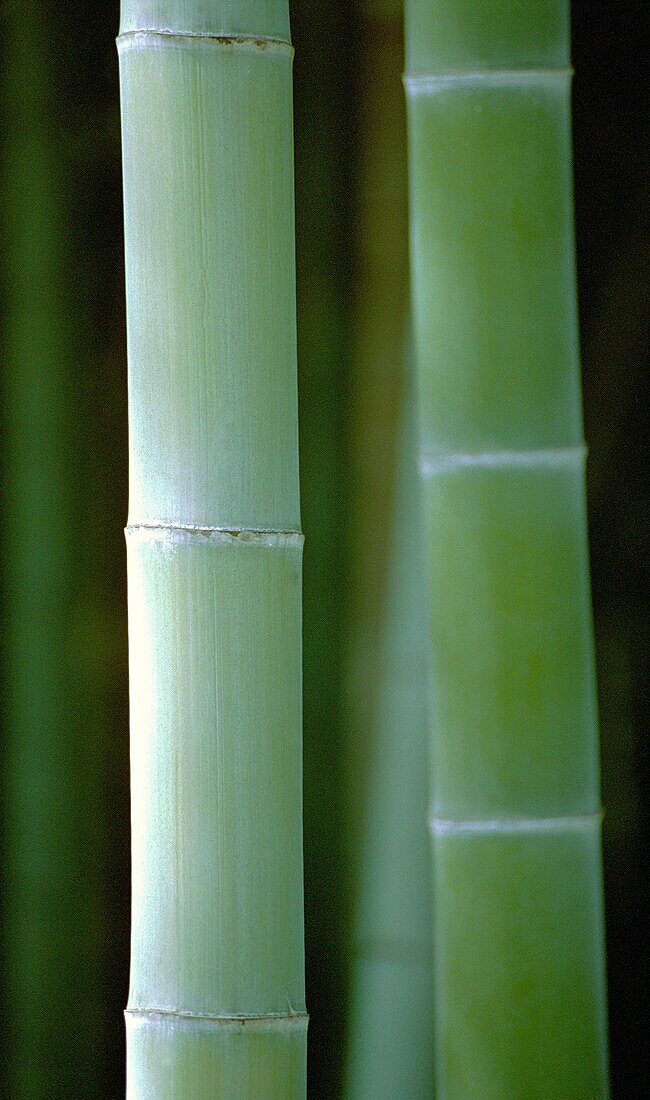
x=216, y=1004
x=389, y=1030
x=391, y=1020
x=515, y=814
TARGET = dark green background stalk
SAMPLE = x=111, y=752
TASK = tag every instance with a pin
x=63, y=622
x=324, y=120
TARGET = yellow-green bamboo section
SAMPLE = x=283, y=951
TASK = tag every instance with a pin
x=216, y=1004
x=515, y=813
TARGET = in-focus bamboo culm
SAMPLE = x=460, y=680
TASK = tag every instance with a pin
x=515, y=815
x=216, y=1004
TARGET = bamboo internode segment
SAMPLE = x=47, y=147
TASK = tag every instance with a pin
x=447, y=35
x=216, y=1001
x=209, y=18
x=513, y=711
x=518, y=936
x=494, y=287
x=213, y=418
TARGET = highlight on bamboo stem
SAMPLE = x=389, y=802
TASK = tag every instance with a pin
x=515, y=815
x=216, y=1003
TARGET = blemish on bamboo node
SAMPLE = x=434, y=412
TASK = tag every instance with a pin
x=144, y=38
x=176, y=534
x=167, y=1019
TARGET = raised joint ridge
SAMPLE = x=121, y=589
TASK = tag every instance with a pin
x=160, y=1018
x=138, y=39
x=442, y=826
x=419, y=83
x=184, y=533
x=431, y=464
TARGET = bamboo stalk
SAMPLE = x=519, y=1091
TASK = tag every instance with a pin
x=216, y=1004
x=391, y=1028
x=515, y=816
x=379, y=322
x=389, y=1022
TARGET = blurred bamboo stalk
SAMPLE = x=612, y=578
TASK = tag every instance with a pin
x=391, y=1019
x=518, y=937
x=389, y=1026
x=216, y=1004
x=379, y=322
x=55, y=1034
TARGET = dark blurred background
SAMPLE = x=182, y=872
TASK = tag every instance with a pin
x=64, y=744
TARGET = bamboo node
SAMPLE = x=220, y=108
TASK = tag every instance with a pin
x=424, y=83
x=144, y=38
x=170, y=1019
x=442, y=462
x=176, y=534
x=441, y=826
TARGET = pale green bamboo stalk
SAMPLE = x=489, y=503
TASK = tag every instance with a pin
x=518, y=938
x=216, y=1004
x=391, y=1020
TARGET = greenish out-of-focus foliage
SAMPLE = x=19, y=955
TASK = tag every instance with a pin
x=65, y=833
